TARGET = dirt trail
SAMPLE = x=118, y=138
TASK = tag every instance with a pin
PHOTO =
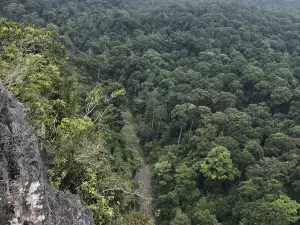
x=143, y=175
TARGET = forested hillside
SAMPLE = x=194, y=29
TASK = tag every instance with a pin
x=213, y=86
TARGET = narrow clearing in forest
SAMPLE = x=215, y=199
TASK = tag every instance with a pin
x=143, y=175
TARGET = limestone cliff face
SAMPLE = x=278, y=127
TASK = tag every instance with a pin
x=25, y=197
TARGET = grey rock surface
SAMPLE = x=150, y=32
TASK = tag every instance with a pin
x=25, y=197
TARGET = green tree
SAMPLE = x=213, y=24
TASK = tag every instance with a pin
x=218, y=165
x=255, y=149
x=185, y=179
x=263, y=213
x=180, y=218
x=289, y=206
x=204, y=217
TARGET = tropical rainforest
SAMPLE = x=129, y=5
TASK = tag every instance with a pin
x=212, y=86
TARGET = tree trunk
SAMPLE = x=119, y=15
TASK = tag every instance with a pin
x=192, y=125
x=179, y=136
x=152, y=124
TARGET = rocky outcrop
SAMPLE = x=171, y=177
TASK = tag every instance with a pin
x=25, y=197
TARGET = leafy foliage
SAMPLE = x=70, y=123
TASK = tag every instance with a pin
x=80, y=159
x=218, y=165
x=213, y=85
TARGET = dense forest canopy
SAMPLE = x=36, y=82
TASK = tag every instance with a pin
x=213, y=86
